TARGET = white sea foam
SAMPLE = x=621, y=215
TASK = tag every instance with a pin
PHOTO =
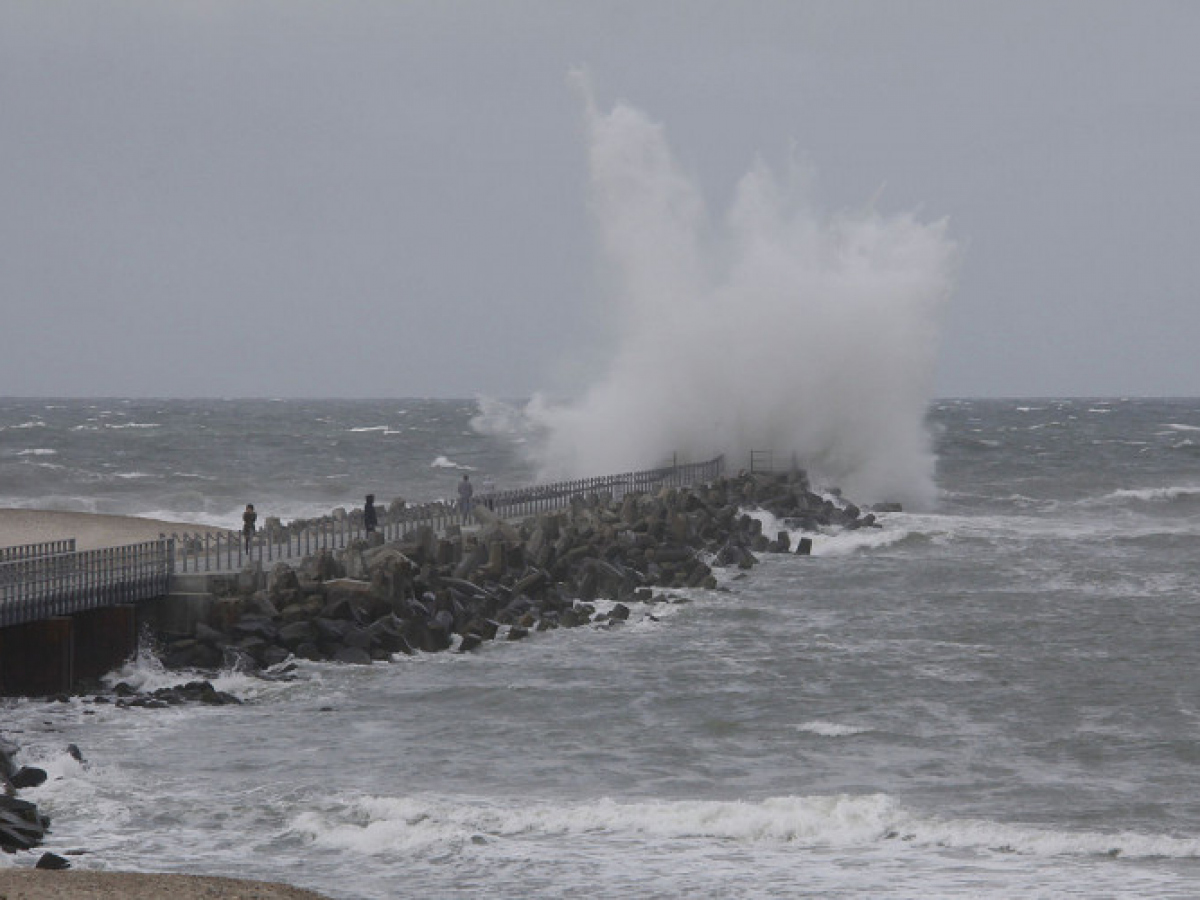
x=1167, y=494
x=831, y=729
x=833, y=541
x=443, y=462
x=146, y=673
x=778, y=327
x=372, y=825
x=1178, y=427
x=37, y=451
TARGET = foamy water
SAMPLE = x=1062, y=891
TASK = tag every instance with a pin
x=989, y=699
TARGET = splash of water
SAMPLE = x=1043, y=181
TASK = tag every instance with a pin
x=771, y=329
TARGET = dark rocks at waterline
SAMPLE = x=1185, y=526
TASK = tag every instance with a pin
x=8, y=764
x=431, y=593
x=22, y=827
x=201, y=692
x=28, y=777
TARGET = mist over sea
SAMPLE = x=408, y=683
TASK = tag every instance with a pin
x=993, y=697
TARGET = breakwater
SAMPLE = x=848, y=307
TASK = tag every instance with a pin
x=498, y=578
x=428, y=591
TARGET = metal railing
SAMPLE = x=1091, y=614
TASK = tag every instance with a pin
x=28, y=551
x=38, y=581
x=60, y=584
x=225, y=551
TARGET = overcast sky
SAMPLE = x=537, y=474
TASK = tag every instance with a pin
x=361, y=199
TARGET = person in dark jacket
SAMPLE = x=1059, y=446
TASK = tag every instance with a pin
x=370, y=517
x=465, y=492
x=249, y=518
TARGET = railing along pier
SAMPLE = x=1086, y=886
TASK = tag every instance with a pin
x=67, y=615
x=225, y=551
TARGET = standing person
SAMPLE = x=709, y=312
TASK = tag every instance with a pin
x=465, y=492
x=370, y=517
x=249, y=518
x=489, y=492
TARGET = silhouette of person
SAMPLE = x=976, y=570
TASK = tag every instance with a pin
x=249, y=518
x=370, y=517
x=465, y=492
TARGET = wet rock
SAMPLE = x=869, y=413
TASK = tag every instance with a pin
x=352, y=655
x=469, y=642
x=21, y=826
x=297, y=633
x=209, y=635
x=8, y=752
x=52, y=861
x=27, y=777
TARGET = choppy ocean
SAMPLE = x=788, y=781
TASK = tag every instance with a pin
x=994, y=698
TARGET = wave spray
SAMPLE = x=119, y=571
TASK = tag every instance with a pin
x=770, y=329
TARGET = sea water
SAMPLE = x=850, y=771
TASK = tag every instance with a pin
x=993, y=697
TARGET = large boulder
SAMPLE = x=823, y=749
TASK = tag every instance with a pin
x=322, y=566
x=352, y=655
x=358, y=597
x=21, y=826
x=296, y=633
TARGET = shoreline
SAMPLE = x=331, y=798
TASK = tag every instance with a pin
x=76, y=884
x=92, y=531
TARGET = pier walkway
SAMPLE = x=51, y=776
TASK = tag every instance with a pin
x=68, y=616
x=42, y=581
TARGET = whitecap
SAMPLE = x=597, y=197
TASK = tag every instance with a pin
x=38, y=451
x=830, y=541
x=374, y=825
x=1145, y=495
x=382, y=825
x=443, y=462
x=830, y=729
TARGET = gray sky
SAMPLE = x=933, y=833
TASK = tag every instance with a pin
x=354, y=199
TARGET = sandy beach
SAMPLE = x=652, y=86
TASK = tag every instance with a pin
x=90, y=530
x=37, y=884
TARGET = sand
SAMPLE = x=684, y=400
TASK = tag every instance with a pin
x=90, y=530
x=37, y=884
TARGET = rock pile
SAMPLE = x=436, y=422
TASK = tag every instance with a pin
x=22, y=827
x=432, y=593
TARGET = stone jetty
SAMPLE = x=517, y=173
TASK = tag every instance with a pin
x=501, y=579
x=497, y=579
